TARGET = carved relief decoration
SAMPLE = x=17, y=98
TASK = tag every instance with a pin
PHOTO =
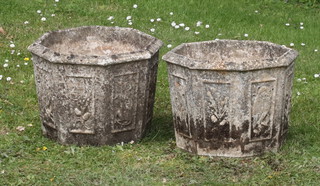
x=217, y=124
x=124, y=101
x=262, y=109
x=44, y=86
x=81, y=96
x=180, y=103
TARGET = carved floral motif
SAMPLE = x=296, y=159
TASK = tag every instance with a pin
x=217, y=125
x=261, y=109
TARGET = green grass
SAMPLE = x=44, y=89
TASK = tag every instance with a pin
x=155, y=159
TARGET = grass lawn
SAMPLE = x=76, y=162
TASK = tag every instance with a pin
x=28, y=158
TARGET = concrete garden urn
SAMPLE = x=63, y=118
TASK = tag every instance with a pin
x=230, y=98
x=95, y=84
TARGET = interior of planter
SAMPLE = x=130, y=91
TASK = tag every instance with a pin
x=226, y=51
x=98, y=41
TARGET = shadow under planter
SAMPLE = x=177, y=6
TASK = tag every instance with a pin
x=95, y=84
x=230, y=98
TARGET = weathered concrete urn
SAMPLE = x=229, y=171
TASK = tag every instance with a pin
x=230, y=98
x=95, y=84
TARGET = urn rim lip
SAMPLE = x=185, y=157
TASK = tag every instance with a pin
x=284, y=60
x=143, y=53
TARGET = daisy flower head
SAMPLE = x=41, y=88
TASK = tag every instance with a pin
x=110, y=18
x=198, y=23
x=135, y=6
x=152, y=30
x=43, y=19
x=171, y=13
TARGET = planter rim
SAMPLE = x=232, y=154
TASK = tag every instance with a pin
x=283, y=60
x=101, y=60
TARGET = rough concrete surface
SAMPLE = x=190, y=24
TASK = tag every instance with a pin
x=230, y=98
x=95, y=84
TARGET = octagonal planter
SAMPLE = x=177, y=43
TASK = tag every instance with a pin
x=230, y=98
x=95, y=85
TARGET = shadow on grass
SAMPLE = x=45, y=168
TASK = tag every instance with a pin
x=161, y=129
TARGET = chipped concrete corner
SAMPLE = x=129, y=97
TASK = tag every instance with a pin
x=95, y=84
x=230, y=98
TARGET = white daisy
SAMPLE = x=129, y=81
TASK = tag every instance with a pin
x=198, y=23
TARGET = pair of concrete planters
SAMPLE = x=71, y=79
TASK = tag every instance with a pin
x=96, y=86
